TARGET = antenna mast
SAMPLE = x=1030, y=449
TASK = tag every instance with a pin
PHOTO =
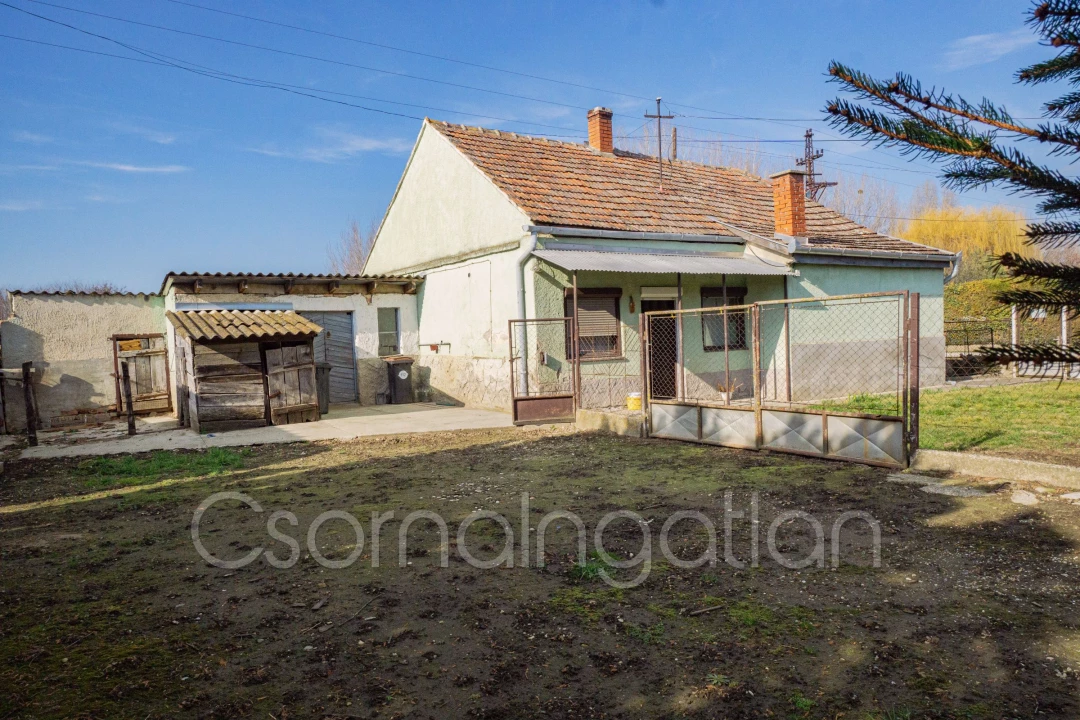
x=659, y=140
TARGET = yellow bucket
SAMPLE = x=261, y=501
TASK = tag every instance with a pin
x=633, y=401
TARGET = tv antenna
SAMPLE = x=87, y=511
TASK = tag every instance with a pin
x=659, y=140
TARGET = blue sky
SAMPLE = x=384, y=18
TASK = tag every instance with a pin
x=114, y=170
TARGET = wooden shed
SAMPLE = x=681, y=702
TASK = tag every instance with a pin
x=244, y=368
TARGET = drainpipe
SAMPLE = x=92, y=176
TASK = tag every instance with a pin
x=527, y=246
x=955, y=267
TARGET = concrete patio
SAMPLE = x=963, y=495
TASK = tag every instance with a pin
x=343, y=422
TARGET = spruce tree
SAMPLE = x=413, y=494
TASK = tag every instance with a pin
x=980, y=142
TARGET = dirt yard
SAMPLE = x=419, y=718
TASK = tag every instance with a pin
x=107, y=611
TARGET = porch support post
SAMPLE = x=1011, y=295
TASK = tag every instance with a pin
x=680, y=391
x=755, y=335
x=727, y=358
x=577, y=350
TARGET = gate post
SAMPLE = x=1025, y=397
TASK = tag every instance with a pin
x=914, y=380
x=755, y=333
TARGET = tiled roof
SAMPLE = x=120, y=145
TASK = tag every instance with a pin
x=241, y=324
x=573, y=185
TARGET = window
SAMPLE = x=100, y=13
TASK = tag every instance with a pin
x=597, y=320
x=712, y=324
x=389, y=334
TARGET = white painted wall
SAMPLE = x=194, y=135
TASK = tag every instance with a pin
x=444, y=207
x=67, y=339
x=370, y=374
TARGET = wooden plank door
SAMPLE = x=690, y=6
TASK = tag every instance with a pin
x=290, y=381
x=148, y=368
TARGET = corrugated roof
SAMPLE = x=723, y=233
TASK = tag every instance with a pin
x=573, y=185
x=83, y=293
x=241, y=324
x=314, y=277
x=657, y=263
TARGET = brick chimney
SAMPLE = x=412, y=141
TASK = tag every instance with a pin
x=600, y=129
x=789, y=202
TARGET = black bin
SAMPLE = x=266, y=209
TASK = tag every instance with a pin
x=400, y=371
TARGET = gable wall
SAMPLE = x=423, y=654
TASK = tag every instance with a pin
x=444, y=208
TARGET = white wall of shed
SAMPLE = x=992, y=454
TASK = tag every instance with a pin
x=67, y=337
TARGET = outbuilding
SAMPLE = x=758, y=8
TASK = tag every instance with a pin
x=244, y=368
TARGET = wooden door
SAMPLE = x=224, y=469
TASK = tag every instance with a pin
x=148, y=370
x=334, y=345
x=290, y=382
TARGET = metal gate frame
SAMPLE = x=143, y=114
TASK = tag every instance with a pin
x=532, y=406
x=690, y=419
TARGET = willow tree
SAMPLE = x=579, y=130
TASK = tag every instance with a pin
x=981, y=146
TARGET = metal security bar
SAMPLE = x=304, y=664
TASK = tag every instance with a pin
x=830, y=377
x=542, y=370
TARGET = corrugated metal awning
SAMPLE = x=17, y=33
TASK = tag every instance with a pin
x=631, y=262
x=241, y=324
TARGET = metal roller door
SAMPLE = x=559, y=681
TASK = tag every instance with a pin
x=335, y=346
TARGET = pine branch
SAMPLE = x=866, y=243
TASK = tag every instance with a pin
x=1020, y=266
x=1036, y=354
x=1051, y=300
x=1053, y=235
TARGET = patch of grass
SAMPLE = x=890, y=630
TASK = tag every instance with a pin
x=751, y=615
x=121, y=471
x=801, y=703
x=650, y=635
x=1035, y=419
x=590, y=569
x=584, y=604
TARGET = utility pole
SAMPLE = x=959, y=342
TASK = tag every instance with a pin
x=674, y=143
x=814, y=189
x=659, y=140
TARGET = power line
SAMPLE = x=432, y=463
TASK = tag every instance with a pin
x=406, y=50
x=279, y=51
x=283, y=84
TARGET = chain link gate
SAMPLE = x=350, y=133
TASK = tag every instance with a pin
x=833, y=377
x=543, y=374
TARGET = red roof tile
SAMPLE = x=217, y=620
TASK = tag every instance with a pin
x=573, y=185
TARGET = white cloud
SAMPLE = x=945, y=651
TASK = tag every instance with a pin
x=109, y=199
x=154, y=136
x=30, y=137
x=982, y=49
x=20, y=205
x=336, y=145
x=122, y=167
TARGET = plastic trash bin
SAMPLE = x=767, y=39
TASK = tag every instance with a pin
x=400, y=375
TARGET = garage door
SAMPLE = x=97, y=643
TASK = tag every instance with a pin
x=335, y=346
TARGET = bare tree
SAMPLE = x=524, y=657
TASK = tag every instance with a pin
x=5, y=305
x=866, y=200
x=350, y=253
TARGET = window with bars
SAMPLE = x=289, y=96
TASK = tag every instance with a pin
x=389, y=334
x=597, y=322
x=712, y=324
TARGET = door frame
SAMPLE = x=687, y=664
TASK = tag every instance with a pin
x=115, y=340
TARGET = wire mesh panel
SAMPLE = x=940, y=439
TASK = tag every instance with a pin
x=542, y=370
x=607, y=377
x=845, y=354
x=819, y=376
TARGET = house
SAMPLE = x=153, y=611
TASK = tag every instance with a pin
x=505, y=227
x=78, y=343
